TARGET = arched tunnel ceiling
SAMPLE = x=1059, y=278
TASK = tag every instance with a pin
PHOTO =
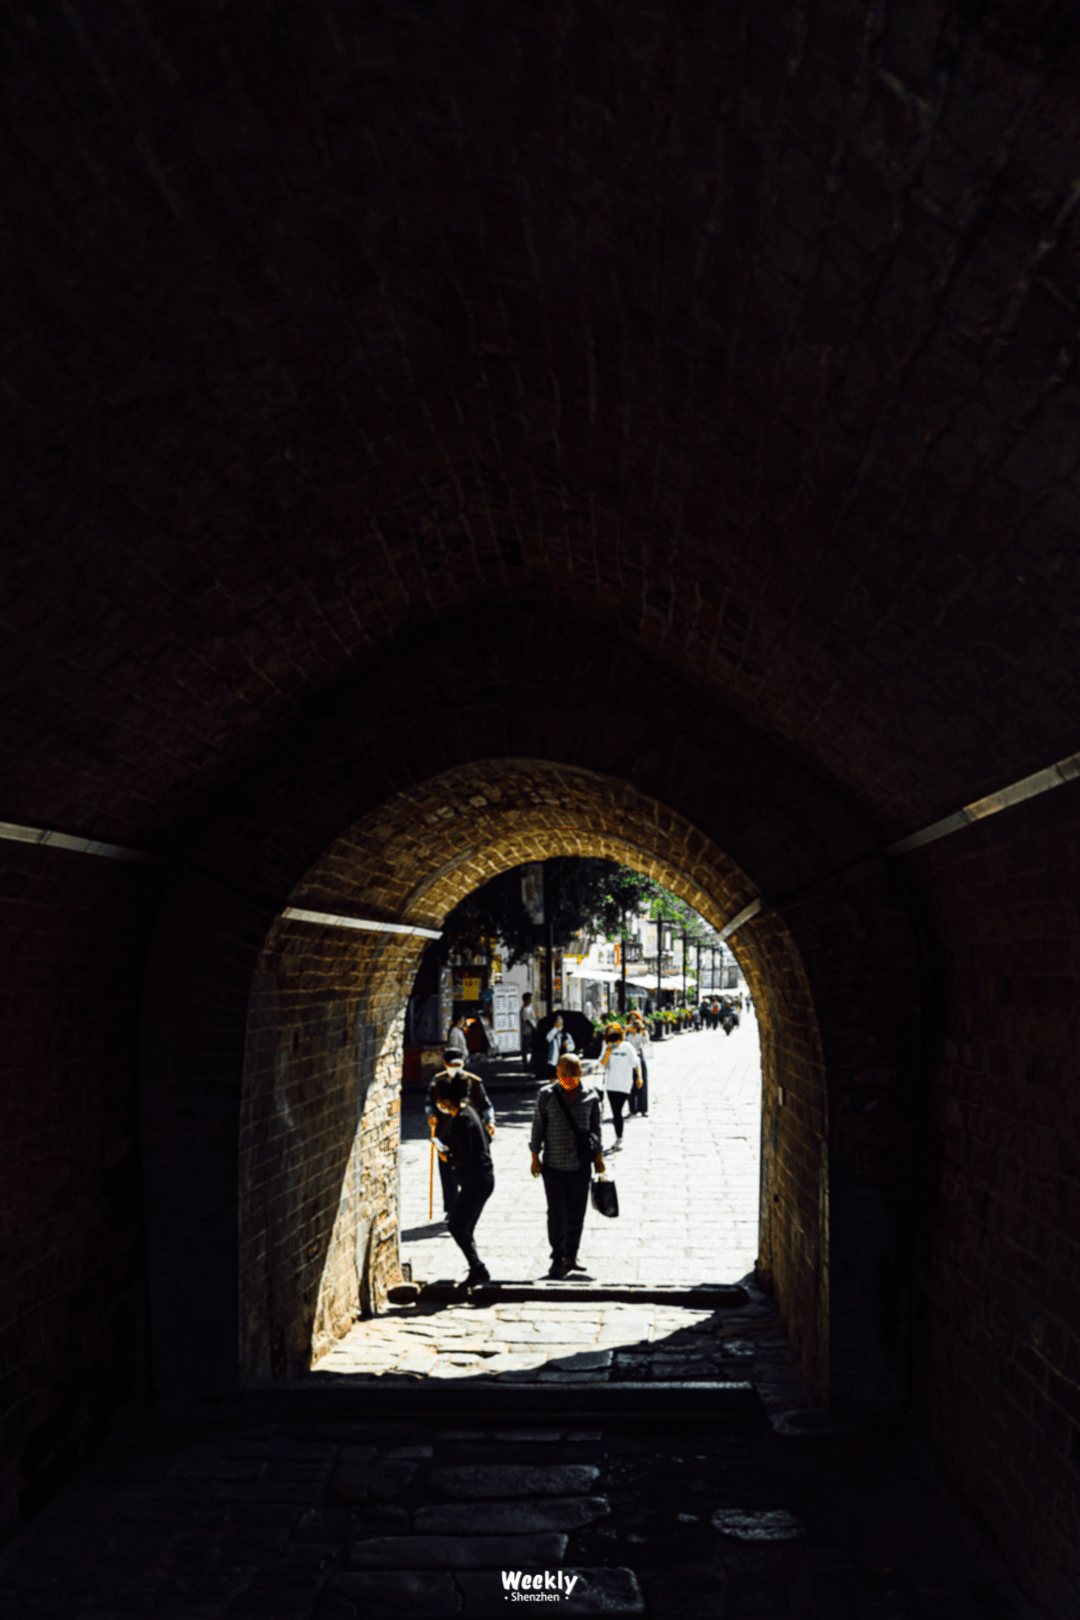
x=745, y=335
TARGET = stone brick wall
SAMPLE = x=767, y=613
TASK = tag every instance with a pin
x=319, y=1134
x=742, y=332
x=794, y=1244
x=998, y=1327
x=73, y=1332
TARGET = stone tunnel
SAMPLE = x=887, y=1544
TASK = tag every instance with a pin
x=441, y=440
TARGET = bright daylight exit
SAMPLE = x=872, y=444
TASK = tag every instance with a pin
x=539, y=962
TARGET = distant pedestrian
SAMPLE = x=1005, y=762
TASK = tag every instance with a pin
x=638, y=1036
x=439, y=1122
x=621, y=1075
x=457, y=1037
x=566, y=1130
x=528, y=1030
x=560, y=1042
x=469, y=1155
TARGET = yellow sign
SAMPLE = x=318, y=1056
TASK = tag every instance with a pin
x=470, y=989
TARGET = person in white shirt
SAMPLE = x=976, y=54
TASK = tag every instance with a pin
x=638, y=1036
x=621, y=1075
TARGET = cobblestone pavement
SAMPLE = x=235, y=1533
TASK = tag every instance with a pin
x=309, y=1519
x=552, y=1341
x=687, y=1178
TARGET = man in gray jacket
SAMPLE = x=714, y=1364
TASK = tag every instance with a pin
x=566, y=1130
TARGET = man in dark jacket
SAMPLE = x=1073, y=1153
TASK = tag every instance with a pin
x=439, y=1123
x=468, y=1152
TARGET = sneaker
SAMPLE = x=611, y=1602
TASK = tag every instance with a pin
x=576, y=1264
x=559, y=1268
x=475, y=1278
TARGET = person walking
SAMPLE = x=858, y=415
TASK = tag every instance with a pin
x=528, y=1030
x=439, y=1123
x=469, y=1154
x=566, y=1132
x=621, y=1075
x=638, y=1036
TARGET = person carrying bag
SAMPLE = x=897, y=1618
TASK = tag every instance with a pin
x=566, y=1128
x=602, y=1191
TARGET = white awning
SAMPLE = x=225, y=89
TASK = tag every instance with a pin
x=583, y=971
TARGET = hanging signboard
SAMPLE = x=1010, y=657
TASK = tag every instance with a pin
x=532, y=891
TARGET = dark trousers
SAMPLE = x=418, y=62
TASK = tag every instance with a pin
x=618, y=1100
x=639, y=1097
x=470, y=1201
x=567, y=1195
x=449, y=1183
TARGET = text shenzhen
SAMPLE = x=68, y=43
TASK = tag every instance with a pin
x=543, y=1587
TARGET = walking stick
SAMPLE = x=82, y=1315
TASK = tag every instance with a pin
x=431, y=1183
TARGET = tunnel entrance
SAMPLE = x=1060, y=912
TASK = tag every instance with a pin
x=272, y=1045
x=319, y=1140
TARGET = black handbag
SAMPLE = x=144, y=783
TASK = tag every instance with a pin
x=605, y=1198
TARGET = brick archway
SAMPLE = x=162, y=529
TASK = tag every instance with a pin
x=323, y=1055
x=246, y=1018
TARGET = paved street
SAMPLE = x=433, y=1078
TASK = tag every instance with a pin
x=687, y=1178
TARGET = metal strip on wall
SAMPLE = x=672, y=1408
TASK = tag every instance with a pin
x=326, y=920
x=13, y=833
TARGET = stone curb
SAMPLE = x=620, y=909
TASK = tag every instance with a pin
x=736, y=1406
x=705, y=1297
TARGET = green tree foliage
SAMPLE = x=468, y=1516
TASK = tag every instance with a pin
x=585, y=896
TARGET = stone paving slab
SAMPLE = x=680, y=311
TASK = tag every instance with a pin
x=499, y=1339
x=499, y=1480
x=458, y=1552
x=512, y=1518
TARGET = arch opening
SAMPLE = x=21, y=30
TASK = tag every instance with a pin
x=319, y=1129
x=688, y=1182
